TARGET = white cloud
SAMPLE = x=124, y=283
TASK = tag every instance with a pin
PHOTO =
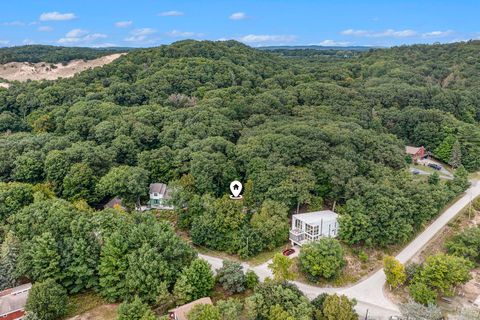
x=94, y=36
x=56, y=16
x=334, y=43
x=183, y=34
x=353, y=32
x=45, y=29
x=4, y=42
x=436, y=34
x=141, y=35
x=14, y=24
x=76, y=33
x=378, y=34
x=264, y=38
x=172, y=13
x=123, y=24
x=81, y=36
x=238, y=16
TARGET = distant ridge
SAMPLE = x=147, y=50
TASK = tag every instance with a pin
x=317, y=47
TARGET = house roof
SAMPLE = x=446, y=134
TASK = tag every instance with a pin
x=14, y=299
x=316, y=217
x=114, y=202
x=182, y=311
x=412, y=150
x=160, y=188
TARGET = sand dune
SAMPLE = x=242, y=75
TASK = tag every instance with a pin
x=23, y=71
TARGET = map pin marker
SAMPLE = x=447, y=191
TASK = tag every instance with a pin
x=236, y=189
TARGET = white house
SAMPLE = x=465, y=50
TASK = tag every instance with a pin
x=313, y=226
x=159, y=196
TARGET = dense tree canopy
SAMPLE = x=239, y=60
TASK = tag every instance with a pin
x=299, y=131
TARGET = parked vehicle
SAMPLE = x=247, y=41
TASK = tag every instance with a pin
x=435, y=166
x=288, y=252
x=415, y=171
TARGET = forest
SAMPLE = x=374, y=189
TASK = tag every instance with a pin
x=53, y=54
x=299, y=133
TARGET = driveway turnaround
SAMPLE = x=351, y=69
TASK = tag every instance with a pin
x=369, y=293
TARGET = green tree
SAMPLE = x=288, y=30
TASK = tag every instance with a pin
x=339, y=308
x=434, y=178
x=251, y=279
x=394, y=271
x=40, y=259
x=281, y=267
x=413, y=310
x=230, y=309
x=13, y=196
x=271, y=222
x=278, y=313
x=271, y=293
x=456, y=157
x=47, y=299
x=421, y=293
x=196, y=281
x=204, y=312
x=9, y=251
x=231, y=277
x=29, y=167
x=135, y=310
x=460, y=180
x=79, y=183
x=466, y=244
x=322, y=258
x=442, y=272
x=113, y=267
x=129, y=183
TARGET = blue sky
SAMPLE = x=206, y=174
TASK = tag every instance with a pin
x=144, y=23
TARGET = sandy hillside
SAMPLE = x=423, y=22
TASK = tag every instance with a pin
x=23, y=71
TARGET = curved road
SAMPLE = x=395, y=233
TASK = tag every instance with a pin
x=369, y=292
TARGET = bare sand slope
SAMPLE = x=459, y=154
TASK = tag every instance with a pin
x=23, y=71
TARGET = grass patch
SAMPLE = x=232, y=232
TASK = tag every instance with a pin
x=83, y=302
x=263, y=257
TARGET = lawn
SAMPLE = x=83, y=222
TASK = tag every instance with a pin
x=85, y=302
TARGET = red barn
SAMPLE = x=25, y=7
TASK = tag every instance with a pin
x=417, y=153
x=12, y=302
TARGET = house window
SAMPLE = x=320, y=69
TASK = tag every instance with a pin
x=298, y=224
x=155, y=194
x=309, y=229
x=315, y=230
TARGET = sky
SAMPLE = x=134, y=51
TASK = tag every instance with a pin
x=146, y=23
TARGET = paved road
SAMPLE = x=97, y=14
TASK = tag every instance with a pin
x=369, y=292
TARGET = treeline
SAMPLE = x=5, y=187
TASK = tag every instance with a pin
x=53, y=54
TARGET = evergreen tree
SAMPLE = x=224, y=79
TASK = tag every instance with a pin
x=9, y=252
x=135, y=310
x=47, y=300
x=456, y=157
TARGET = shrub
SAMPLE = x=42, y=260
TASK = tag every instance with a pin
x=322, y=258
x=204, y=312
x=421, y=293
x=231, y=276
x=135, y=310
x=47, y=300
x=251, y=279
